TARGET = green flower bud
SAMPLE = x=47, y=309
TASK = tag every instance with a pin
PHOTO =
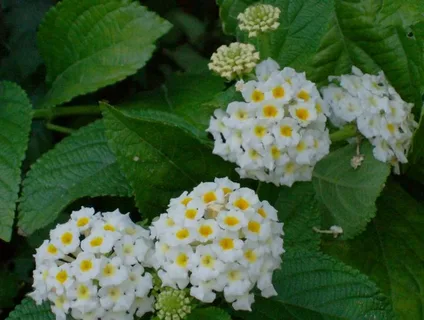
x=172, y=304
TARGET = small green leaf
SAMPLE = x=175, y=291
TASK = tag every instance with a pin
x=210, y=313
x=87, y=45
x=299, y=210
x=15, y=124
x=28, y=310
x=160, y=155
x=81, y=165
x=391, y=252
x=311, y=285
x=350, y=194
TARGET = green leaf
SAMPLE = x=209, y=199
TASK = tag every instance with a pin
x=210, y=313
x=311, y=285
x=81, y=165
x=302, y=24
x=299, y=210
x=391, y=252
x=87, y=45
x=160, y=155
x=9, y=287
x=15, y=124
x=350, y=194
x=368, y=35
x=28, y=310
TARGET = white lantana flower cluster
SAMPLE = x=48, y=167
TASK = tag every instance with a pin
x=219, y=238
x=259, y=18
x=378, y=110
x=92, y=267
x=278, y=133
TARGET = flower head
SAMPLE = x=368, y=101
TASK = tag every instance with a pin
x=234, y=60
x=259, y=18
x=173, y=304
x=93, y=267
x=237, y=240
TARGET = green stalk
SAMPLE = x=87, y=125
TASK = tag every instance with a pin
x=265, y=45
x=55, y=127
x=348, y=131
x=52, y=113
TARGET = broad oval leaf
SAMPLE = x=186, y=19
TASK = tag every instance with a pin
x=15, y=125
x=160, y=154
x=90, y=44
x=312, y=285
x=350, y=194
x=28, y=310
x=79, y=166
x=210, y=313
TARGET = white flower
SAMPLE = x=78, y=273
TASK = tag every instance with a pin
x=84, y=218
x=60, y=305
x=131, y=249
x=99, y=241
x=141, y=306
x=115, y=298
x=65, y=237
x=266, y=68
x=287, y=131
x=85, y=267
x=139, y=283
x=228, y=246
x=112, y=271
x=59, y=278
x=84, y=296
x=47, y=252
x=207, y=230
x=208, y=264
x=244, y=302
x=232, y=220
x=236, y=279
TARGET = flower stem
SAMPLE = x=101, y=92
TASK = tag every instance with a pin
x=57, y=128
x=348, y=131
x=265, y=45
x=51, y=113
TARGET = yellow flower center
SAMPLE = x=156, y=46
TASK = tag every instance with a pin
x=128, y=249
x=231, y=221
x=96, y=241
x=59, y=302
x=262, y=212
x=207, y=261
x=51, y=249
x=260, y=131
x=286, y=131
x=185, y=201
x=86, y=265
x=209, y=197
x=270, y=111
x=391, y=128
x=254, y=226
x=83, y=292
x=205, y=231
x=318, y=108
x=253, y=154
x=226, y=244
x=278, y=92
x=226, y=190
x=241, y=114
x=81, y=222
x=242, y=204
x=290, y=167
x=303, y=95
x=182, y=234
x=114, y=293
x=275, y=152
x=62, y=276
x=250, y=256
x=234, y=275
x=109, y=227
x=257, y=96
x=170, y=222
x=191, y=214
x=301, y=146
x=67, y=238
x=302, y=114
x=182, y=260
x=109, y=270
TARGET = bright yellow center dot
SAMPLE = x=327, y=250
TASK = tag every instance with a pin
x=67, y=238
x=226, y=190
x=191, y=214
x=81, y=222
x=207, y=261
x=209, y=197
x=83, y=292
x=316, y=143
x=170, y=222
x=391, y=128
x=109, y=270
x=114, y=293
x=234, y=275
x=257, y=96
x=109, y=227
x=286, y=131
x=241, y=115
x=242, y=204
x=185, y=201
x=45, y=274
x=318, y=107
x=205, y=231
x=278, y=92
x=303, y=95
x=270, y=111
x=253, y=154
x=51, y=249
x=182, y=234
x=86, y=265
x=226, y=243
x=182, y=260
x=250, y=256
x=254, y=226
x=62, y=276
x=231, y=221
x=301, y=146
x=259, y=131
x=290, y=167
x=96, y=241
x=262, y=212
x=275, y=152
x=302, y=114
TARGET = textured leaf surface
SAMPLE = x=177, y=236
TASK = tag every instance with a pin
x=350, y=194
x=391, y=252
x=81, y=165
x=211, y=313
x=160, y=155
x=28, y=310
x=15, y=124
x=90, y=44
x=311, y=285
x=299, y=210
